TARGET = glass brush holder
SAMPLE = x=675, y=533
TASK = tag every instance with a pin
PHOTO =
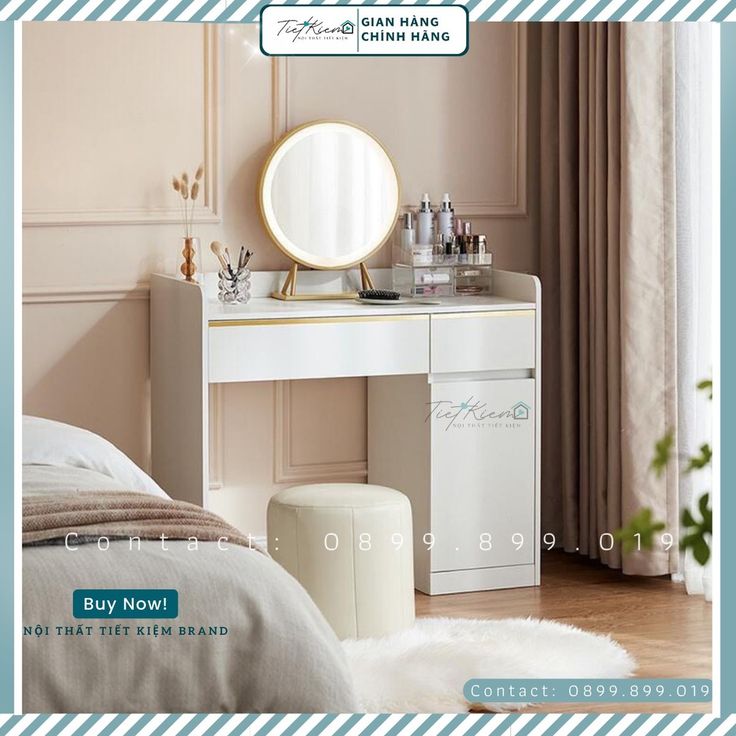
x=233, y=287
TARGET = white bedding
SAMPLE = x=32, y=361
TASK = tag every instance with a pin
x=277, y=652
x=50, y=443
x=49, y=479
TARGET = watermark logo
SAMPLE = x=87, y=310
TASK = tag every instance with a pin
x=295, y=30
x=370, y=30
x=472, y=413
x=520, y=410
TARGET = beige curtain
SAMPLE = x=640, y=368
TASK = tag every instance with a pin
x=608, y=275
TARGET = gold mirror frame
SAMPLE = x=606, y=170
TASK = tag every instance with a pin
x=288, y=290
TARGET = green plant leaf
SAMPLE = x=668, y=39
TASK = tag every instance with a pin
x=639, y=532
x=698, y=532
x=697, y=462
x=689, y=540
x=706, y=385
x=688, y=519
x=662, y=453
x=706, y=512
x=701, y=551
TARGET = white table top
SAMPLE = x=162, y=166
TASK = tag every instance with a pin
x=268, y=308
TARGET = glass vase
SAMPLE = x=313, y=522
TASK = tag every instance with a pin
x=190, y=252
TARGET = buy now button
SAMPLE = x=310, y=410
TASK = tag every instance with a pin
x=125, y=603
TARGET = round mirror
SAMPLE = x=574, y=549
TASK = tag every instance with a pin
x=329, y=195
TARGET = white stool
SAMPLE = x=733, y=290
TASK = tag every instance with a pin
x=350, y=546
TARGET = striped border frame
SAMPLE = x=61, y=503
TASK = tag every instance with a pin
x=248, y=11
x=365, y=725
x=224, y=11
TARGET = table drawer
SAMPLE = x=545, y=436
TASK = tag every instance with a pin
x=282, y=349
x=484, y=341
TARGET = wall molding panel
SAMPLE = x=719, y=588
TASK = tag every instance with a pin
x=285, y=470
x=79, y=294
x=516, y=206
x=209, y=212
x=279, y=97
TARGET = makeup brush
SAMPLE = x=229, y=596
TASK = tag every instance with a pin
x=246, y=258
x=241, y=256
x=217, y=249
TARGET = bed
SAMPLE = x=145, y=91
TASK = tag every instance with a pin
x=253, y=640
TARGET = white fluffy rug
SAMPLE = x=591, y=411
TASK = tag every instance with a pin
x=423, y=669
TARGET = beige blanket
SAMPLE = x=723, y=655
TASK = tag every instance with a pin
x=90, y=515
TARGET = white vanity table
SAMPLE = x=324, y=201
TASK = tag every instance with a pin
x=453, y=384
x=474, y=358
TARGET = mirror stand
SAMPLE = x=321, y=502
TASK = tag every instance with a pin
x=288, y=289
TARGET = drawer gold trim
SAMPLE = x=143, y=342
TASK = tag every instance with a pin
x=497, y=313
x=278, y=321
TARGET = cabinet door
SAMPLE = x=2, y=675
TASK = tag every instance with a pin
x=483, y=445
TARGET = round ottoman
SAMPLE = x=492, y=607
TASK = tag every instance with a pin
x=350, y=546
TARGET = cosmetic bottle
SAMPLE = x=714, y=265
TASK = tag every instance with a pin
x=445, y=216
x=452, y=249
x=462, y=256
x=476, y=251
x=408, y=233
x=425, y=222
x=439, y=248
x=465, y=243
x=484, y=255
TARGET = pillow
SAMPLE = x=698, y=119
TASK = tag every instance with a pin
x=46, y=442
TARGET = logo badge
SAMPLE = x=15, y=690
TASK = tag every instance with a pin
x=366, y=30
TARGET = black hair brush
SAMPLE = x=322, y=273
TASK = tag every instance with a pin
x=383, y=294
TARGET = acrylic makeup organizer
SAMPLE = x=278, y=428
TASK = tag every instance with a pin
x=441, y=275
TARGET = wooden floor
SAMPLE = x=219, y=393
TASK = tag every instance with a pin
x=664, y=629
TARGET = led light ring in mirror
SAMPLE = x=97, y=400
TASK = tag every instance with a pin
x=329, y=195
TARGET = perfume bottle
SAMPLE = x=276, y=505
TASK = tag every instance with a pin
x=445, y=217
x=425, y=222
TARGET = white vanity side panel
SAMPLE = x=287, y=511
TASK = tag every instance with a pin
x=513, y=285
x=539, y=532
x=491, y=341
x=285, y=350
x=483, y=476
x=179, y=392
